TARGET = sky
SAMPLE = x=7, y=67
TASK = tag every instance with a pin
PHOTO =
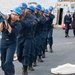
x=7, y=5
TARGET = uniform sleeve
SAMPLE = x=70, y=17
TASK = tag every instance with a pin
x=35, y=20
x=70, y=19
x=43, y=20
x=52, y=16
x=64, y=19
x=16, y=28
x=32, y=22
x=26, y=23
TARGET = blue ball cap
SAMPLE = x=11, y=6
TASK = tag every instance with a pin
x=42, y=9
x=17, y=10
x=31, y=8
x=51, y=8
x=38, y=7
x=68, y=11
x=23, y=5
x=46, y=11
x=1, y=18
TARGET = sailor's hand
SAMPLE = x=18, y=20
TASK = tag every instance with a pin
x=38, y=20
x=7, y=17
x=46, y=19
x=33, y=23
x=6, y=22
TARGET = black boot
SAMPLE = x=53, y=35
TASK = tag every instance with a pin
x=34, y=64
x=5, y=73
x=66, y=35
x=46, y=50
x=31, y=68
x=8, y=73
x=24, y=70
x=40, y=59
x=51, y=50
x=43, y=55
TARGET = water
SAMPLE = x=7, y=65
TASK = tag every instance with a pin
x=7, y=5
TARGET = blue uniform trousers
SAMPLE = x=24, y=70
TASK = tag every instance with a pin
x=38, y=44
x=36, y=49
x=73, y=26
x=25, y=51
x=50, y=36
x=43, y=41
x=7, y=53
x=66, y=28
x=32, y=52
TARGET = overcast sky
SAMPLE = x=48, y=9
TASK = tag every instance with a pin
x=7, y=5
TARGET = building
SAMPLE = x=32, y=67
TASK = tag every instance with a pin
x=60, y=9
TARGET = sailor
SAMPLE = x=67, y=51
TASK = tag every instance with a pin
x=25, y=39
x=67, y=22
x=38, y=33
x=31, y=10
x=50, y=28
x=73, y=23
x=10, y=29
x=44, y=31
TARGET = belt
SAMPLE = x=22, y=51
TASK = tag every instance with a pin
x=67, y=21
x=8, y=39
x=25, y=34
x=44, y=30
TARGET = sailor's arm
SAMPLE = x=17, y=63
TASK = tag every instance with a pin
x=9, y=28
x=1, y=26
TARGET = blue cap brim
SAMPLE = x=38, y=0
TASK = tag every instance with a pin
x=1, y=19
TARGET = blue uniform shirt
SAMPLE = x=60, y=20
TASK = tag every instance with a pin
x=67, y=19
x=27, y=24
x=39, y=25
x=50, y=21
x=16, y=26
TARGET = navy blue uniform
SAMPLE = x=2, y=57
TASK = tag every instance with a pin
x=67, y=22
x=25, y=51
x=38, y=34
x=50, y=29
x=73, y=23
x=8, y=45
x=43, y=34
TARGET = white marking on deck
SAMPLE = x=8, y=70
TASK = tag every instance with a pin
x=64, y=43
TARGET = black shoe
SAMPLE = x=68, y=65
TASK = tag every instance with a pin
x=31, y=68
x=40, y=60
x=24, y=70
x=25, y=73
x=43, y=56
x=46, y=50
x=68, y=36
x=5, y=73
x=51, y=50
x=34, y=64
x=65, y=36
